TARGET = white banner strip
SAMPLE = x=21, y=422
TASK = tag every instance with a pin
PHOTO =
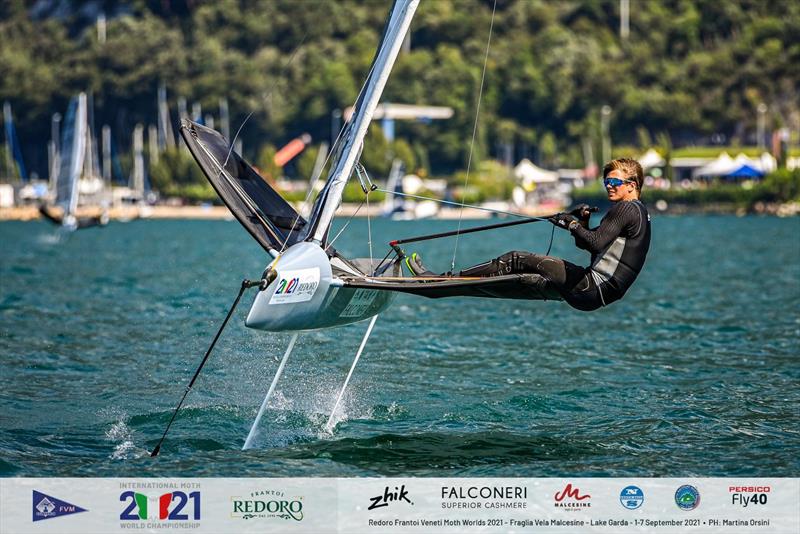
x=400, y=505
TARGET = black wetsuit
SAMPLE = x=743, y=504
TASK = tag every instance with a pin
x=618, y=246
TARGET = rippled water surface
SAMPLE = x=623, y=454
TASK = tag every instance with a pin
x=695, y=372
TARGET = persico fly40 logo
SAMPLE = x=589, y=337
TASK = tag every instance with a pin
x=172, y=506
x=745, y=496
x=296, y=286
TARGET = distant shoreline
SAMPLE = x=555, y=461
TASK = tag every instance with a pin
x=31, y=213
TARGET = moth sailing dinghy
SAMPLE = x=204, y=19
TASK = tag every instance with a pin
x=72, y=164
x=309, y=285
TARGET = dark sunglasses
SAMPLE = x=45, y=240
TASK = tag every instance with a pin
x=614, y=182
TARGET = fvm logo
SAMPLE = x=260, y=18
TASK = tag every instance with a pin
x=167, y=507
x=399, y=494
x=47, y=507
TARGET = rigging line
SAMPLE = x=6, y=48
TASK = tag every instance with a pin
x=246, y=284
x=458, y=204
x=346, y=224
x=428, y=237
x=222, y=172
x=268, y=96
x=552, y=235
x=474, y=132
x=375, y=272
x=332, y=150
x=369, y=231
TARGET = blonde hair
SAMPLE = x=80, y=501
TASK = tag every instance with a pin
x=631, y=168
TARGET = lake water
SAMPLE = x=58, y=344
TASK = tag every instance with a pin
x=695, y=372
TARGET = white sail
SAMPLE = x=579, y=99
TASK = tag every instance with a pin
x=331, y=195
x=73, y=150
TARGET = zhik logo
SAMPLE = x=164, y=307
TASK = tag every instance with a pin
x=399, y=494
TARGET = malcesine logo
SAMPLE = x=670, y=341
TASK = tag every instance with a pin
x=570, y=499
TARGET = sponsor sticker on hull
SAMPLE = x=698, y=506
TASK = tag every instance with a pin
x=296, y=286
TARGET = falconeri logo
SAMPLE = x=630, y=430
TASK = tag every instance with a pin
x=570, y=499
x=484, y=497
x=47, y=507
x=267, y=504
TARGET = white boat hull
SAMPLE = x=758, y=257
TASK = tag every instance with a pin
x=306, y=296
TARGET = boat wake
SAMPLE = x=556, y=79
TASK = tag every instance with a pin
x=121, y=435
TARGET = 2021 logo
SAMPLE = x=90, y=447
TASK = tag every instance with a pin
x=170, y=506
x=287, y=286
x=296, y=286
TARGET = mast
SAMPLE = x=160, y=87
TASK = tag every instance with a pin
x=331, y=195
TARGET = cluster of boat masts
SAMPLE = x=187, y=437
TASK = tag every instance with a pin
x=85, y=178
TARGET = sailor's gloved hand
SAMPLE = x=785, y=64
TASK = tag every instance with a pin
x=583, y=211
x=564, y=220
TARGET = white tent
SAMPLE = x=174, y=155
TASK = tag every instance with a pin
x=651, y=159
x=530, y=175
x=764, y=163
x=721, y=166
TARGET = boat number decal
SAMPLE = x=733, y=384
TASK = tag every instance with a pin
x=295, y=286
x=360, y=303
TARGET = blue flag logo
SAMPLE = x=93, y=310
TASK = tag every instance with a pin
x=47, y=507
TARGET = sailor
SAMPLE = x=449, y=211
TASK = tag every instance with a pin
x=618, y=246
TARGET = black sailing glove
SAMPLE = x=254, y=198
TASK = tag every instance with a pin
x=583, y=211
x=564, y=220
